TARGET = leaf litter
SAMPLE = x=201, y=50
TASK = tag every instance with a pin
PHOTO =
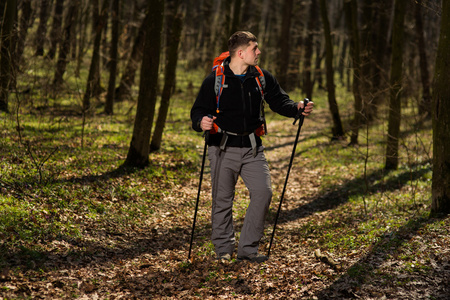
x=143, y=255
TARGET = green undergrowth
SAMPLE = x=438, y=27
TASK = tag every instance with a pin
x=61, y=176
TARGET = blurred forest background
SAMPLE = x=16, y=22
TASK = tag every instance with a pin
x=99, y=164
x=101, y=53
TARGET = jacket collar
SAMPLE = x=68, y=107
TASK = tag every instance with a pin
x=251, y=71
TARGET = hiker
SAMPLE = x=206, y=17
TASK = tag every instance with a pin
x=234, y=116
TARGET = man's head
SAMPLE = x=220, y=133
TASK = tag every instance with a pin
x=244, y=44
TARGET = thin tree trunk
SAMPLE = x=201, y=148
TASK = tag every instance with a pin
x=396, y=86
x=6, y=60
x=425, y=102
x=380, y=59
x=284, y=43
x=440, y=189
x=42, y=28
x=309, y=43
x=351, y=10
x=140, y=142
x=109, y=107
x=127, y=79
x=64, y=48
x=26, y=20
x=55, y=32
x=338, y=131
x=93, y=82
x=169, y=80
x=83, y=23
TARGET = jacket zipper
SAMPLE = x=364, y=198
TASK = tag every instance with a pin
x=243, y=104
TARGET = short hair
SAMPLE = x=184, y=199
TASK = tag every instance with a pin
x=238, y=39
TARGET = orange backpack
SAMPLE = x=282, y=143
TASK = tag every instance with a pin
x=218, y=87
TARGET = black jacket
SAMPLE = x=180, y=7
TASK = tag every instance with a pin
x=240, y=104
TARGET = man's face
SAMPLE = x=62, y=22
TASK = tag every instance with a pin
x=251, y=54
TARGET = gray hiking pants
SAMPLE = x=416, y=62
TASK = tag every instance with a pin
x=226, y=166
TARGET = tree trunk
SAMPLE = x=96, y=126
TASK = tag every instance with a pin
x=440, y=190
x=169, y=79
x=338, y=131
x=351, y=12
x=93, y=82
x=83, y=25
x=42, y=28
x=55, y=32
x=109, y=106
x=309, y=43
x=395, y=86
x=284, y=43
x=6, y=60
x=236, y=20
x=379, y=62
x=64, y=48
x=140, y=142
x=425, y=102
x=127, y=80
x=26, y=20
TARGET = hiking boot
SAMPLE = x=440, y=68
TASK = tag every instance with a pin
x=224, y=256
x=254, y=257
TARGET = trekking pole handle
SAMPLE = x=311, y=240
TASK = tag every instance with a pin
x=206, y=133
x=301, y=110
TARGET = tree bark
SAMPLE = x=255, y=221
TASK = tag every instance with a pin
x=128, y=75
x=440, y=204
x=6, y=60
x=338, y=130
x=379, y=62
x=174, y=35
x=64, y=48
x=26, y=20
x=109, y=106
x=55, y=32
x=284, y=44
x=42, y=28
x=93, y=82
x=140, y=142
x=351, y=11
x=309, y=43
x=395, y=86
x=425, y=102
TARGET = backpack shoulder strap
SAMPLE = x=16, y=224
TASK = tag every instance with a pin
x=218, y=84
x=261, y=79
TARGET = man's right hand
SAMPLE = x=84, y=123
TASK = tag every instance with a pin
x=207, y=123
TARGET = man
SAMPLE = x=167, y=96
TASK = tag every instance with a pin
x=236, y=149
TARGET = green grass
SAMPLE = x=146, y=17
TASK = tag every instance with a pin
x=60, y=181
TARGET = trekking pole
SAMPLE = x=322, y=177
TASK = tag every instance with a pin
x=206, y=135
x=297, y=117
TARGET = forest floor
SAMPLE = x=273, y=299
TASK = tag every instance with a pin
x=105, y=233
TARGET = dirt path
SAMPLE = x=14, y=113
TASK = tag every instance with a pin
x=148, y=260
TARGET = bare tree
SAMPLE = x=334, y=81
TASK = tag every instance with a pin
x=55, y=32
x=173, y=40
x=351, y=12
x=338, y=130
x=42, y=28
x=425, y=102
x=26, y=20
x=441, y=120
x=6, y=60
x=284, y=43
x=140, y=142
x=395, y=86
x=93, y=81
x=109, y=107
x=64, y=48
